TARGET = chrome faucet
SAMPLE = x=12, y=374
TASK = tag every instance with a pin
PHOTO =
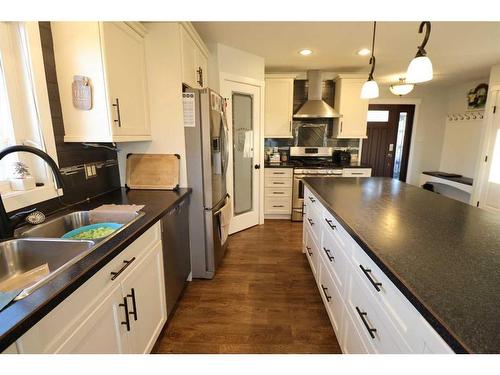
x=9, y=223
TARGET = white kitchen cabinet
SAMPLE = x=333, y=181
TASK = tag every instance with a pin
x=356, y=172
x=111, y=56
x=144, y=289
x=353, y=110
x=278, y=109
x=278, y=193
x=93, y=318
x=194, y=58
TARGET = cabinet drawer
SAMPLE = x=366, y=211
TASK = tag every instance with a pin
x=311, y=201
x=333, y=228
x=375, y=327
x=278, y=172
x=335, y=259
x=278, y=192
x=311, y=251
x=281, y=182
x=357, y=172
x=331, y=296
x=278, y=205
x=312, y=221
x=46, y=335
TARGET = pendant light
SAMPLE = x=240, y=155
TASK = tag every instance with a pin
x=401, y=88
x=370, y=87
x=420, y=68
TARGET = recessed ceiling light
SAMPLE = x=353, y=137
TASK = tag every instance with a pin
x=364, y=52
x=305, y=52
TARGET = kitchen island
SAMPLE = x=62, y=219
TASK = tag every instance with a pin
x=442, y=257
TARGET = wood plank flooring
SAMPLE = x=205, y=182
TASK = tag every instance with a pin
x=263, y=299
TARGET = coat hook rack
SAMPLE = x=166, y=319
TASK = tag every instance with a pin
x=465, y=116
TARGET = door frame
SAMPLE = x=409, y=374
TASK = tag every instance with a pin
x=260, y=85
x=411, y=157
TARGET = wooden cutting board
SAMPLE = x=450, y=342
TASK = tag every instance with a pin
x=153, y=171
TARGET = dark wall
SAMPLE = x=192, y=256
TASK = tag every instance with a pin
x=71, y=156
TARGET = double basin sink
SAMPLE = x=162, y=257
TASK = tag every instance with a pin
x=38, y=253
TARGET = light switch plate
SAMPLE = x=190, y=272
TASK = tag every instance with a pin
x=90, y=171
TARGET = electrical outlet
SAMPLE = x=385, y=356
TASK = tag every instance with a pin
x=90, y=171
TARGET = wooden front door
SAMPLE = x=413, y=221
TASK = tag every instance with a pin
x=387, y=146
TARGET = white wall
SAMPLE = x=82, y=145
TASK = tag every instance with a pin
x=428, y=126
x=163, y=64
x=462, y=138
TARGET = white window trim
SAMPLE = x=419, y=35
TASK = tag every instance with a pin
x=19, y=199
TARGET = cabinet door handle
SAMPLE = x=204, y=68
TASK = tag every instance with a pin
x=127, y=320
x=278, y=192
x=132, y=295
x=367, y=272
x=290, y=126
x=114, y=275
x=200, y=76
x=328, y=298
x=362, y=315
x=310, y=221
x=357, y=173
x=279, y=205
x=117, y=105
x=341, y=123
x=278, y=183
x=327, y=252
x=312, y=199
x=278, y=172
x=308, y=251
x=330, y=223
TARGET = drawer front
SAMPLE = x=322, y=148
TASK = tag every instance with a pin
x=311, y=251
x=375, y=327
x=278, y=192
x=333, y=228
x=278, y=182
x=278, y=172
x=357, y=172
x=336, y=260
x=44, y=338
x=311, y=202
x=278, y=205
x=312, y=221
x=331, y=296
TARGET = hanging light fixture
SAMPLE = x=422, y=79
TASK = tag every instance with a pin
x=401, y=88
x=420, y=68
x=370, y=87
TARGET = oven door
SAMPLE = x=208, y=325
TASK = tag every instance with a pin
x=297, y=198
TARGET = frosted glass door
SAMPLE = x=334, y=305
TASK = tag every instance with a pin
x=242, y=153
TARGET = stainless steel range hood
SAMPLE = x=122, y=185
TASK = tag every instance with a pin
x=315, y=107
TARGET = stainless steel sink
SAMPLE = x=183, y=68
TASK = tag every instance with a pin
x=57, y=227
x=21, y=258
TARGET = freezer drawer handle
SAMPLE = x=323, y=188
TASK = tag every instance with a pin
x=367, y=272
x=330, y=223
x=310, y=221
x=362, y=315
x=114, y=275
x=127, y=320
x=132, y=295
x=328, y=298
x=308, y=251
x=328, y=254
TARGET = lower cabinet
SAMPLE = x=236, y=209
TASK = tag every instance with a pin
x=367, y=311
x=121, y=309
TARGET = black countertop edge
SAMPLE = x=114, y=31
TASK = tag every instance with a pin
x=24, y=314
x=293, y=165
x=460, y=180
x=438, y=325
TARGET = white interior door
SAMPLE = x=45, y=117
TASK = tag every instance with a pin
x=244, y=171
x=490, y=186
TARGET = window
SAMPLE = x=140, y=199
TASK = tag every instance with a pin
x=377, y=116
x=24, y=111
x=495, y=162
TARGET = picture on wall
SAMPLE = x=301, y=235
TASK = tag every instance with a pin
x=476, y=98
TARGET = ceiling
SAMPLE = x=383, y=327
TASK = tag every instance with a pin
x=460, y=51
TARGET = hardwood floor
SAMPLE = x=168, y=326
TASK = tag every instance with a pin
x=263, y=299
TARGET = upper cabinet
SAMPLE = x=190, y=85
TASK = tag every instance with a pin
x=278, y=106
x=106, y=59
x=353, y=109
x=194, y=58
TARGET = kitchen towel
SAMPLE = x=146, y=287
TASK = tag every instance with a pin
x=225, y=214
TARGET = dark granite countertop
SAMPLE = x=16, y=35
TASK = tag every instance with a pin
x=443, y=175
x=292, y=164
x=21, y=315
x=442, y=254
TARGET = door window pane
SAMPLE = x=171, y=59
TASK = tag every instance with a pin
x=495, y=162
x=399, y=144
x=377, y=116
x=242, y=152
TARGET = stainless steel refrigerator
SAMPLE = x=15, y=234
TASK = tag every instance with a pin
x=207, y=154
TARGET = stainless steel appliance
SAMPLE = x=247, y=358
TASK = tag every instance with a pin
x=312, y=162
x=315, y=107
x=207, y=150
